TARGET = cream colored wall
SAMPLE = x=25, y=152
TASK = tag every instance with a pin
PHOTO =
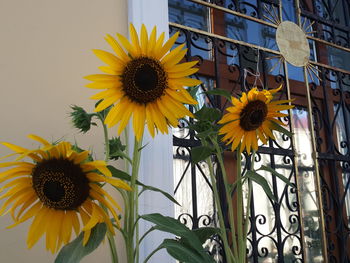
x=45, y=50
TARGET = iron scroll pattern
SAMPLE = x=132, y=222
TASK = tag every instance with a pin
x=331, y=20
x=275, y=229
x=332, y=123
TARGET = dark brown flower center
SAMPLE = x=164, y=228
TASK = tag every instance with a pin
x=144, y=80
x=60, y=184
x=253, y=115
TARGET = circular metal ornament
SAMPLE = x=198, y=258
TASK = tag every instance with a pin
x=293, y=44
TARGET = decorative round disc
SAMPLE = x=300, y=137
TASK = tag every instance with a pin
x=293, y=44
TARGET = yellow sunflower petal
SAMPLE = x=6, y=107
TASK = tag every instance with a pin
x=144, y=39
x=134, y=38
x=181, y=67
x=99, y=165
x=183, y=73
x=86, y=236
x=38, y=227
x=125, y=42
x=150, y=121
x=152, y=41
x=30, y=213
x=106, y=103
x=110, y=59
x=67, y=225
x=159, y=120
x=102, y=77
x=186, y=82
x=175, y=59
x=165, y=48
x=158, y=45
x=173, y=54
x=117, y=48
x=39, y=139
x=139, y=120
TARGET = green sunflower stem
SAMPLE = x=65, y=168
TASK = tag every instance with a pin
x=106, y=136
x=111, y=241
x=249, y=198
x=229, y=255
x=113, y=248
x=241, y=243
x=220, y=215
x=133, y=229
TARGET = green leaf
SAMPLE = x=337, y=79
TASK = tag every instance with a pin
x=188, y=239
x=173, y=226
x=206, y=134
x=254, y=176
x=155, y=189
x=74, y=251
x=280, y=176
x=119, y=173
x=219, y=92
x=168, y=224
x=208, y=114
x=279, y=128
x=126, y=177
x=204, y=233
x=200, y=153
x=181, y=252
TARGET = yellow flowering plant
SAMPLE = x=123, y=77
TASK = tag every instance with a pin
x=251, y=118
x=60, y=187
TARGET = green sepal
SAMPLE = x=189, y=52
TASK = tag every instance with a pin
x=81, y=119
x=126, y=177
x=74, y=251
x=257, y=178
x=200, y=153
x=116, y=149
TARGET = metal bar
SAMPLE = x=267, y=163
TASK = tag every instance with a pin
x=314, y=149
x=257, y=20
x=328, y=43
x=295, y=164
x=329, y=67
x=316, y=165
x=229, y=11
x=205, y=33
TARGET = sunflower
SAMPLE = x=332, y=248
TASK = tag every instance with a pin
x=252, y=117
x=60, y=189
x=144, y=79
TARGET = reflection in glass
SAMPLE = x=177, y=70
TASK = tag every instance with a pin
x=196, y=16
x=307, y=187
x=343, y=148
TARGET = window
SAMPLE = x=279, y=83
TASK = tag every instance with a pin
x=234, y=37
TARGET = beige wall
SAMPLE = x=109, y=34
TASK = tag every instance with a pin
x=45, y=50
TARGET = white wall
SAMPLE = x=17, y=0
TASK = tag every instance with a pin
x=45, y=50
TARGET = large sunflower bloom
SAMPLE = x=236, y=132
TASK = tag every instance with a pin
x=145, y=80
x=252, y=117
x=60, y=190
